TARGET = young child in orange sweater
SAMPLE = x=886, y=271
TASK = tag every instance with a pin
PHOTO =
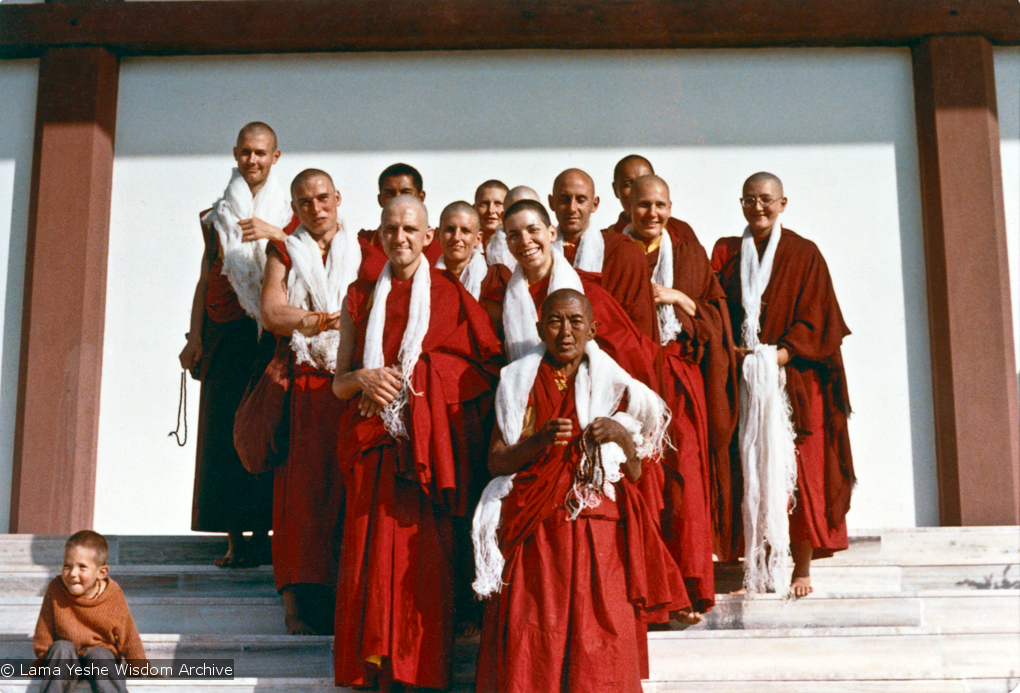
x=85, y=618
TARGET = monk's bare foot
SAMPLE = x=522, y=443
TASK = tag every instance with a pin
x=800, y=584
x=292, y=614
x=740, y=591
x=237, y=552
x=686, y=617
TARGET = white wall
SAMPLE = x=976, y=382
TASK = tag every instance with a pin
x=836, y=125
x=1007, y=91
x=18, y=80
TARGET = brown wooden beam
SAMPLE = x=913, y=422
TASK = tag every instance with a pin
x=974, y=376
x=57, y=424
x=271, y=26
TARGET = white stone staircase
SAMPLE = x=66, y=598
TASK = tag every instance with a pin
x=902, y=611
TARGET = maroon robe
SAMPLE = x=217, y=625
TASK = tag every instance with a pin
x=699, y=384
x=624, y=275
x=577, y=594
x=800, y=313
x=395, y=593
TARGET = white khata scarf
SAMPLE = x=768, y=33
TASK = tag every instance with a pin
x=599, y=386
x=669, y=326
x=319, y=288
x=767, y=450
x=418, y=316
x=243, y=263
x=591, y=250
x=472, y=274
x=498, y=252
x=520, y=317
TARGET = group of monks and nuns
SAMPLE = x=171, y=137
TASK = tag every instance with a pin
x=306, y=281
x=489, y=203
x=793, y=439
x=623, y=271
x=460, y=239
x=417, y=362
x=568, y=553
x=223, y=343
x=627, y=170
x=697, y=351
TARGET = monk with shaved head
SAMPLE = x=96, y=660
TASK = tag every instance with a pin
x=783, y=307
x=223, y=344
x=621, y=269
x=698, y=382
x=416, y=363
x=627, y=170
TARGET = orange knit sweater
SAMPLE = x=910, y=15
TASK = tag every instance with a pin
x=104, y=620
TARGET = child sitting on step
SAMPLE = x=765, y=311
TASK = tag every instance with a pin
x=85, y=619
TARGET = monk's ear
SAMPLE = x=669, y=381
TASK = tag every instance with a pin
x=593, y=330
x=421, y=195
x=379, y=198
x=276, y=156
x=595, y=203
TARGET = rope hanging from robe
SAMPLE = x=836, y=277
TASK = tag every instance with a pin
x=182, y=411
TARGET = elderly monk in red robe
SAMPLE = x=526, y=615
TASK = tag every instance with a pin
x=566, y=548
x=305, y=283
x=621, y=269
x=417, y=360
x=783, y=305
x=396, y=179
x=698, y=382
x=224, y=344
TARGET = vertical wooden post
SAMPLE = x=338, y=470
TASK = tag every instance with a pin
x=57, y=425
x=974, y=374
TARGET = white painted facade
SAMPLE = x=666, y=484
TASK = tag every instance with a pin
x=836, y=124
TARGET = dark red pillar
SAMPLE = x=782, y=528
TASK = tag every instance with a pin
x=57, y=426
x=974, y=374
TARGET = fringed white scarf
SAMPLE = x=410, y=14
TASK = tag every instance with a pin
x=591, y=250
x=599, y=386
x=520, y=317
x=472, y=274
x=418, y=316
x=319, y=288
x=244, y=262
x=498, y=252
x=669, y=326
x=767, y=450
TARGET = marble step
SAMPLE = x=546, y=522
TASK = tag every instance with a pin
x=238, y=685
x=154, y=581
x=990, y=611
x=905, y=547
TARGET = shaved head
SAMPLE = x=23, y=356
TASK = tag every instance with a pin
x=645, y=181
x=631, y=159
x=528, y=204
x=399, y=202
x=307, y=175
x=458, y=206
x=490, y=185
x=763, y=177
x=562, y=295
x=573, y=173
x=257, y=128
x=521, y=192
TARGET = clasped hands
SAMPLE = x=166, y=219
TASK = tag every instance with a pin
x=379, y=387
x=674, y=297
x=559, y=432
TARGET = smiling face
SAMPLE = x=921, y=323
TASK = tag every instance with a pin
x=81, y=571
x=404, y=232
x=530, y=242
x=768, y=203
x=650, y=207
x=315, y=202
x=573, y=201
x=566, y=327
x=630, y=171
x=458, y=236
x=255, y=155
x=489, y=205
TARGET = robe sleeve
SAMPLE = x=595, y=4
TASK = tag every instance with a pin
x=817, y=328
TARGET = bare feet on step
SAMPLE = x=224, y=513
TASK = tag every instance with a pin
x=800, y=584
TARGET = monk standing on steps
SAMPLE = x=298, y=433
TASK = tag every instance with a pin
x=417, y=361
x=568, y=553
x=783, y=304
x=306, y=281
x=699, y=379
x=621, y=268
x=224, y=343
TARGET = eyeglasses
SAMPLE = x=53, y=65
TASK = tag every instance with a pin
x=751, y=201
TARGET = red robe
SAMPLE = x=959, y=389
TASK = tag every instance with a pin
x=571, y=614
x=699, y=384
x=799, y=312
x=625, y=276
x=395, y=593
x=308, y=493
